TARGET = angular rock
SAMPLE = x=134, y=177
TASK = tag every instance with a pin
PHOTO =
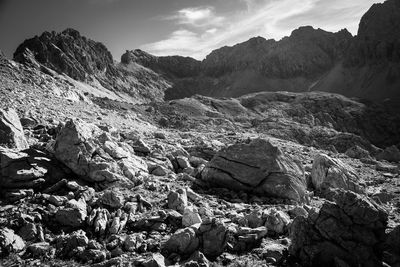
x=156, y=260
x=350, y=230
x=41, y=249
x=95, y=156
x=10, y=242
x=113, y=199
x=73, y=214
x=177, y=200
x=328, y=173
x=11, y=132
x=258, y=167
x=184, y=242
x=276, y=220
x=214, y=238
x=190, y=217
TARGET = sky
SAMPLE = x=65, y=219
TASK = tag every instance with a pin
x=173, y=27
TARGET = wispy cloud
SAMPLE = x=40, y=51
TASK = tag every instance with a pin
x=201, y=29
x=196, y=17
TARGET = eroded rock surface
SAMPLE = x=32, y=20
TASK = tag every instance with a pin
x=258, y=167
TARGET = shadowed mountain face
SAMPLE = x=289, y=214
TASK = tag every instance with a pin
x=293, y=64
x=372, y=65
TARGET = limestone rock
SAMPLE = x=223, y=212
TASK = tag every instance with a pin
x=11, y=132
x=190, y=217
x=349, y=230
x=276, y=220
x=113, y=199
x=94, y=155
x=257, y=167
x=214, y=238
x=177, y=200
x=73, y=214
x=328, y=172
x=184, y=242
x=10, y=242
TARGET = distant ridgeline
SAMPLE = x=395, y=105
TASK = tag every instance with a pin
x=365, y=66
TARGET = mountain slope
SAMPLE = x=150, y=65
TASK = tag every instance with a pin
x=88, y=61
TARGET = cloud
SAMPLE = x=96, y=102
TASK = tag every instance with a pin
x=202, y=30
x=197, y=17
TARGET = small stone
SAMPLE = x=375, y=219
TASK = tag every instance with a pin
x=177, y=200
x=190, y=217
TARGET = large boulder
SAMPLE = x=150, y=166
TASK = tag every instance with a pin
x=257, y=167
x=349, y=230
x=11, y=132
x=96, y=156
x=328, y=173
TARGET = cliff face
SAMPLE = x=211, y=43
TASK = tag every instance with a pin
x=371, y=68
x=293, y=64
x=88, y=61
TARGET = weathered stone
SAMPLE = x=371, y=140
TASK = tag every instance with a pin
x=184, y=242
x=73, y=214
x=94, y=155
x=258, y=167
x=11, y=132
x=41, y=249
x=190, y=217
x=177, y=200
x=349, y=230
x=156, y=260
x=10, y=242
x=328, y=173
x=113, y=199
x=214, y=237
x=357, y=152
x=183, y=162
x=276, y=220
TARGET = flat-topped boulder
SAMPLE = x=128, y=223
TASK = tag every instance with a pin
x=257, y=167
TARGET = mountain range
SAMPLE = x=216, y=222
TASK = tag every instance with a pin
x=365, y=66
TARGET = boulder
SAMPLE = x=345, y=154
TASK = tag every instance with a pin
x=214, y=238
x=328, y=173
x=11, y=132
x=276, y=220
x=257, y=167
x=95, y=155
x=190, y=217
x=10, y=242
x=357, y=152
x=113, y=199
x=183, y=242
x=41, y=249
x=177, y=200
x=73, y=214
x=349, y=230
